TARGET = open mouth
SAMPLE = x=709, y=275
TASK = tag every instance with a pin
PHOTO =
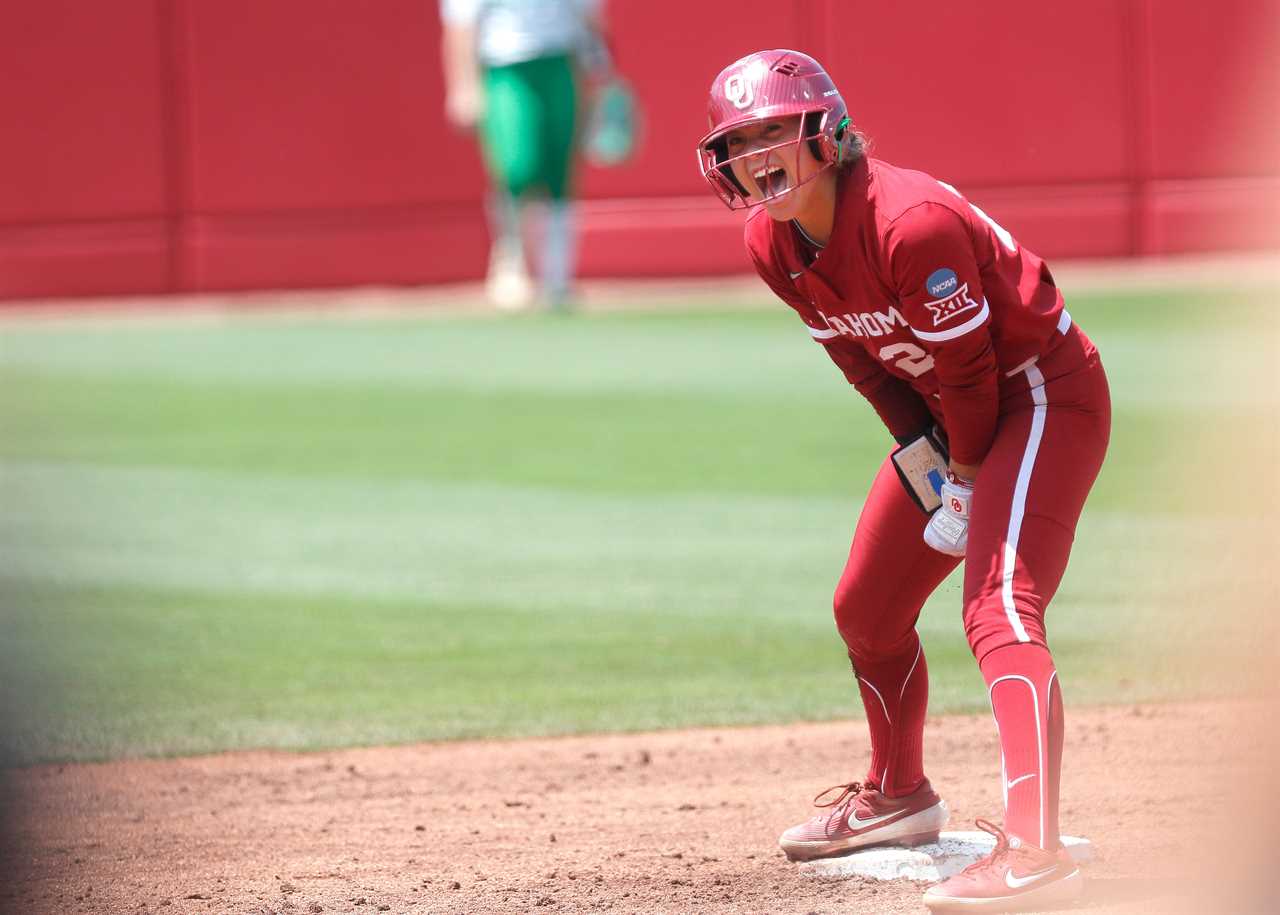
x=771, y=179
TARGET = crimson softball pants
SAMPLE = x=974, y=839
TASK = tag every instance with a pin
x=1052, y=434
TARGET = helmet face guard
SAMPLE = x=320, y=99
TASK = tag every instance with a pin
x=762, y=87
x=717, y=165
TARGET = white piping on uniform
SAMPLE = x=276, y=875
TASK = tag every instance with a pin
x=902, y=692
x=1022, y=367
x=1004, y=777
x=954, y=332
x=1010, y=559
x=1044, y=782
x=1064, y=322
x=871, y=686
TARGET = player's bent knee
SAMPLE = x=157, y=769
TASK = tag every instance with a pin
x=852, y=622
x=858, y=636
x=854, y=606
x=868, y=643
x=870, y=628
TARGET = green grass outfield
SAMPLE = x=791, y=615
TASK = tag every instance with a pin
x=304, y=532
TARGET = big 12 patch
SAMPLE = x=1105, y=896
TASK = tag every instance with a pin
x=952, y=296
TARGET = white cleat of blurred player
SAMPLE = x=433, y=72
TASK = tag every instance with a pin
x=508, y=285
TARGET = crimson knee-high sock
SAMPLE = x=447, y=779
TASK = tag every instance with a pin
x=895, y=694
x=1026, y=700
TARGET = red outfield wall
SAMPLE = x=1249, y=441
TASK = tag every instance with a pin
x=179, y=145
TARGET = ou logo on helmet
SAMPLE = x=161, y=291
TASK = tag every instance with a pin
x=738, y=91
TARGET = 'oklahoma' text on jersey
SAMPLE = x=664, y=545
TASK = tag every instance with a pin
x=917, y=296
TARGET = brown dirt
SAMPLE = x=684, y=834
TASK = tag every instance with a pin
x=664, y=822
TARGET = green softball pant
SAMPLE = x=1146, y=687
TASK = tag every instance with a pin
x=529, y=125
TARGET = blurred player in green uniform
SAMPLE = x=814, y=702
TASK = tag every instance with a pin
x=513, y=71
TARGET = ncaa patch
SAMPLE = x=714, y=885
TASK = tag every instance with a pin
x=942, y=282
x=952, y=296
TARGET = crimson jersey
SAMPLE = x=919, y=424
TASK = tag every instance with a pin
x=926, y=304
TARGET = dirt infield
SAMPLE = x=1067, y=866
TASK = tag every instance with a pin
x=663, y=822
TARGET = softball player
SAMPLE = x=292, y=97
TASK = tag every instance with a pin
x=959, y=338
x=512, y=69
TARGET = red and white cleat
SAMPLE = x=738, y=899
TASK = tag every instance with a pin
x=861, y=816
x=1015, y=877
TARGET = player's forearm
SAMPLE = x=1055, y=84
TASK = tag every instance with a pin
x=899, y=407
x=966, y=472
x=970, y=394
x=969, y=415
x=461, y=75
x=459, y=52
x=593, y=14
x=595, y=55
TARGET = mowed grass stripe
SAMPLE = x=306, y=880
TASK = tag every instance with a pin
x=622, y=442
x=727, y=352
x=542, y=549
x=177, y=672
x=630, y=443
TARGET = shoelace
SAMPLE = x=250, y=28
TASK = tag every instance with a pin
x=997, y=853
x=847, y=793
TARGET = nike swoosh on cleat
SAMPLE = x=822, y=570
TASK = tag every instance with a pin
x=857, y=824
x=1017, y=883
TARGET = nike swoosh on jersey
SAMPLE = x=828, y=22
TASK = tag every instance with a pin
x=1017, y=883
x=794, y=275
x=1021, y=778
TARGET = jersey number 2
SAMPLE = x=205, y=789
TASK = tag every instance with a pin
x=910, y=358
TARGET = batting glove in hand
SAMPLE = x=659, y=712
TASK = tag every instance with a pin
x=948, y=529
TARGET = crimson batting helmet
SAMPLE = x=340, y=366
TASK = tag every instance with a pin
x=772, y=84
